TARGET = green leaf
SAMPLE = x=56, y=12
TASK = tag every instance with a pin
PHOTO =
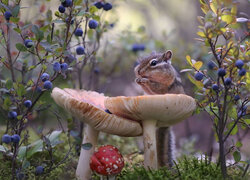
x=227, y=18
x=9, y=84
x=198, y=65
x=2, y=148
x=21, y=47
x=93, y=9
x=204, y=8
x=237, y=156
x=201, y=34
x=235, y=129
x=234, y=9
x=21, y=90
x=247, y=121
x=188, y=58
x=38, y=145
x=6, y=103
x=214, y=6
x=81, y=13
x=25, y=164
x=14, y=19
x=87, y=146
x=38, y=33
x=32, y=67
x=17, y=30
x=15, y=11
x=238, y=144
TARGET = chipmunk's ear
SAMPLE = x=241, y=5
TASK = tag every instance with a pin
x=167, y=55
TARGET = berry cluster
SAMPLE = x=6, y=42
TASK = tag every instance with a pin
x=105, y=6
x=8, y=139
x=222, y=73
x=64, y=5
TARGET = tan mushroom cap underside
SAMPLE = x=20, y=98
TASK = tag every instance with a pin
x=167, y=109
x=88, y=106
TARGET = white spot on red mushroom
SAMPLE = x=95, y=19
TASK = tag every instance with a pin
x=115, y=166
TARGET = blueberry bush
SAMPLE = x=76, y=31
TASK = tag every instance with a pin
x=223, y=86
x=37, y=54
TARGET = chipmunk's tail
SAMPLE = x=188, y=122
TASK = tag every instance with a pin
x=166, y=146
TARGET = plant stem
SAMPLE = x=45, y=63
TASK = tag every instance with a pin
x=9, y=54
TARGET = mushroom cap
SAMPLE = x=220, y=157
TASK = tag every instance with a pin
x=107, y=161
x=167, y=109
x=88, y=106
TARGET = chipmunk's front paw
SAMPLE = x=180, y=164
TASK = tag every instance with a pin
x=141, y=80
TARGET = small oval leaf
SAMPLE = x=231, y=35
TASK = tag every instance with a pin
x=236, y=156
x=201, y=34
x=188, y=58
x=87, y=146
x=198, y=65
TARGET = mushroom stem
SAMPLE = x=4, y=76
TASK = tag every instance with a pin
x=83, y=171
x=149, y=140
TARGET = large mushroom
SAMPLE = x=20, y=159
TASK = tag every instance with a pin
x=153, y=111
x=88, y=106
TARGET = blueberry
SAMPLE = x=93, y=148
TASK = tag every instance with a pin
x=27, y=103
x=228, y=81
x=61, y=9
x=93, y=24
x=6, y=138
x=99, y=4
x=215, y=87
x=211, y=65
x=38, y=89
x=97, y=70
x=56, y=67
x=39, y=170
x=7, y=15
x=198, y=76
x=107, y=111
x=78, y=32
x=67, y=3
x=242, y=112
x=239, y=64
x=71, y=22
x=45, y=77
x=12, y=115
x=242, y=72
x=138, y=47
x=221, y=72
x=80, y=50
x=236, y=97
x=64, y=67
x=15, y=138
x=20, y=175
x=107, y=6
x=70, y=58
x=47, y=85
x=28, y=43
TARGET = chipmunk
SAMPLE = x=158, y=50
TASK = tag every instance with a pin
x=156, y=75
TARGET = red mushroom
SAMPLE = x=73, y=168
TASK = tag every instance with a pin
x=107, y=161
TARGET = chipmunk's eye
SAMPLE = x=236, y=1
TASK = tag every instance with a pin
x=153, y=63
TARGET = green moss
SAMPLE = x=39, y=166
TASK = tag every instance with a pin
x=186, y=169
